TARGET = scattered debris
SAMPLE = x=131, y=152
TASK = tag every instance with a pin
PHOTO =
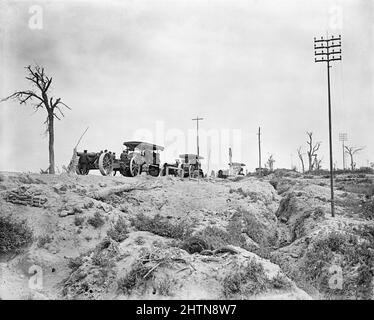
x=26, y=197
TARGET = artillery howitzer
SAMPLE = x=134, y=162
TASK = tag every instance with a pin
x=137, y=157
x=96, y=161
x=235, y=168
x=174, y=169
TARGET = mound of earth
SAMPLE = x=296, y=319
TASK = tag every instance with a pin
x=100, y=237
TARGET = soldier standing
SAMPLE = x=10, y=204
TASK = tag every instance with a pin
x=123, y=155
x=83, y=162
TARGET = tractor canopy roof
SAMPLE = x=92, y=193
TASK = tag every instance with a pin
x=190, y=156
x=140, y=145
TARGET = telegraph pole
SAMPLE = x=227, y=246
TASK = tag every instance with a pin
x=259, y=148
x=327, y=55
x=197, y=119
x=343, y=137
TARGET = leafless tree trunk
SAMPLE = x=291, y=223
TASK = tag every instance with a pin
x=352, y=151
x=312, y=152
x=300, y=154
x=51, y=144
x=40, y=99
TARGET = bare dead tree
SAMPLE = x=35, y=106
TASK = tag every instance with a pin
x=312, y=152
x=40, y=98
x=300, y=154
x=352, y=151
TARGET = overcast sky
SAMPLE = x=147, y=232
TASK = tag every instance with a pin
x=144, y=69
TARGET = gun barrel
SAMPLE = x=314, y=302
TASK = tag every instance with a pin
x=90, y=154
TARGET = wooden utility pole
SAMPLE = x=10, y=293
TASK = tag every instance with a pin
x=328, y=55
x=259, y=148
x=197, y=119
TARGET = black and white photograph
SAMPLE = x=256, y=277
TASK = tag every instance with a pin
x=206, y=151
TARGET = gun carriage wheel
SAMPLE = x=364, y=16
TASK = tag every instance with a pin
x=191, y=170
x=79, y=170
x=154, y=171
x=134, y=167
x=105, y=164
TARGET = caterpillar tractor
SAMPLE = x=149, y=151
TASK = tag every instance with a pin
x=191, y=165
x=137, y=157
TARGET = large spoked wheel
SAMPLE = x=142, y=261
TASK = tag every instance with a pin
x=80, y=170
x=124, y=168
x=134, y=167
x=154, y=171
x=105, y=164
x=195, y=173
x=191, y=171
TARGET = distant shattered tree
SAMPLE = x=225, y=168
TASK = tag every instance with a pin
x=312, y=151
x=39, y=97
x=317, y=163
x=300, y=154
x=270, y=163
x=352, y=151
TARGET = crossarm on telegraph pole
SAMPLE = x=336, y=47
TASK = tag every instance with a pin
x=324, y=52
